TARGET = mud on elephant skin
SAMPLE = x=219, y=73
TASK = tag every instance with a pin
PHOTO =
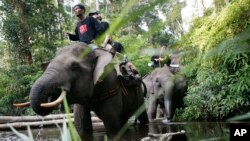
x=166, y=90
x=81, y=74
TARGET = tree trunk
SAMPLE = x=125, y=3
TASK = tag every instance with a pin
x=20, y=5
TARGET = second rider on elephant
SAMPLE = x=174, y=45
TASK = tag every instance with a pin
x=160, y=57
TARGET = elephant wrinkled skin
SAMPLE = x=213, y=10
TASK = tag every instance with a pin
x=80, y=72
x=166, y=90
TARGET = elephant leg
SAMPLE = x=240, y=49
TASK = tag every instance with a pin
x=168, y=101
x=152, y=108
x=112, y=125
x=83, y=122
x=168, y=109
x=160, y=111
x=111, y=114
x=143, y=117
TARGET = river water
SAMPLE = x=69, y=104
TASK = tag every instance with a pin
x=195, y=131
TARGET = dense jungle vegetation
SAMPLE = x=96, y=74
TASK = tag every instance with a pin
x=216, y=49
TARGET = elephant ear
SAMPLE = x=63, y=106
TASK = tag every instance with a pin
x=103, y=59
x=44, y=65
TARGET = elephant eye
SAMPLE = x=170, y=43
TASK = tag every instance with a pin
x=159, y=85
x=75, y=66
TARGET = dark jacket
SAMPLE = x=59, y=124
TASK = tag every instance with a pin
x=87, y=30
x=118, y=47
x=155, y=57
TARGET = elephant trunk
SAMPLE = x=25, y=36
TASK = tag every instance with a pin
x=41, y=92
x=37, y=97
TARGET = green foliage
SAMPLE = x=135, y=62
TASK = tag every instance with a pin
x=128, y=16
x=172, y=11
x=31, y=25
x=16, y=84
x=219, y=78
x=4, y=81
x=135, y=40
x=162, y=37
x=38, y=29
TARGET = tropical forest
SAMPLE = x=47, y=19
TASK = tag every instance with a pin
x=212, y=37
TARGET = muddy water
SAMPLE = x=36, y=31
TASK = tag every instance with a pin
x=195, y=131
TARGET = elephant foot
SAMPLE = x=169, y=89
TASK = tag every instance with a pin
x=165, y=121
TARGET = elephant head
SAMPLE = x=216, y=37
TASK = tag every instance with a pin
x=175, y=65
x=73, y=72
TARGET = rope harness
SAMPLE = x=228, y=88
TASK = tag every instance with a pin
x=111, y=93
x=124, y=90
x=106, y=94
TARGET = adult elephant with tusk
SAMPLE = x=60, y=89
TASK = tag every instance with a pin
x=88, y=80
x=164, y=89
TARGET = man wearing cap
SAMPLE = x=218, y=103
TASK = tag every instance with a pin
x=87, y=28
x=95, y=14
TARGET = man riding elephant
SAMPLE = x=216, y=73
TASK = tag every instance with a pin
x=88, y=80
x=160, y=57
x=87, y=29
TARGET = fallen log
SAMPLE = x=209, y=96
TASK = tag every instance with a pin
x=10, y=119
x=18, y=125
x=38, y=121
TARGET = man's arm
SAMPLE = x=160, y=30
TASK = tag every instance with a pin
x=74, y=37
x=98, y=27
x=154, y=57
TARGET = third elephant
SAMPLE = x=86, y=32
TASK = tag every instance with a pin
x=164, y=89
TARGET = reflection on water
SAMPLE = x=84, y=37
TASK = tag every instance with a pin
x=42, y=134
x=208, y=131
x=196, y=131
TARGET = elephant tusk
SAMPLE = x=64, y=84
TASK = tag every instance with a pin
x=26, y=104
x=55, y=103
